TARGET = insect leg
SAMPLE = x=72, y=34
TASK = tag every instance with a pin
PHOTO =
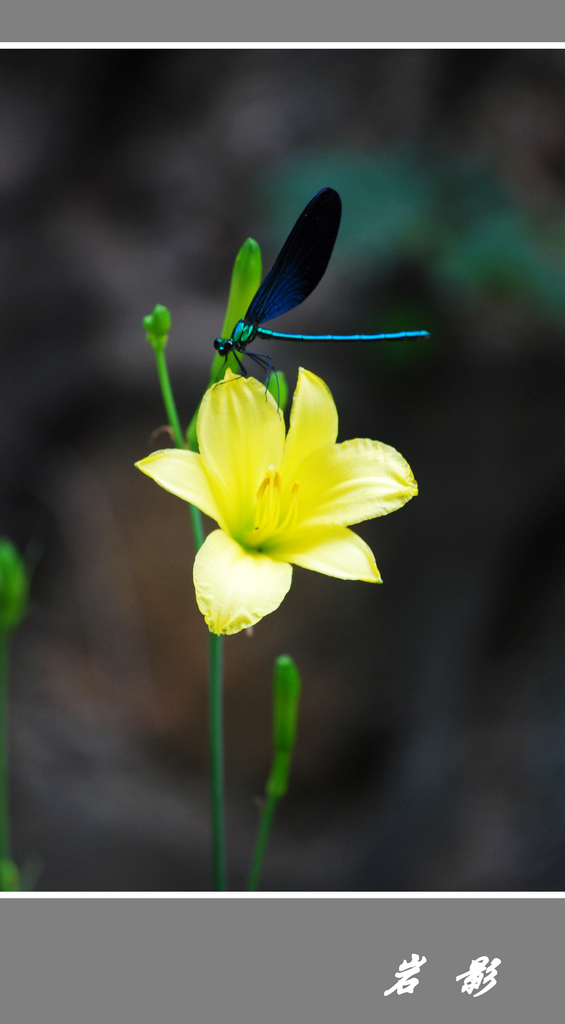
x=266, y=363
x=222, y=368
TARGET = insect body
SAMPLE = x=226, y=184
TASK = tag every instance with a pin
x=298, y=268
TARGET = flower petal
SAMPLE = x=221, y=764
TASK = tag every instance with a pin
x=313, y=422
x=353, y=481
x=240, y=434
x=333, y=550
x=182, y=473
x=234, y=589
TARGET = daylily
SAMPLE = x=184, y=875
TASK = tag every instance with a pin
x=278, y=501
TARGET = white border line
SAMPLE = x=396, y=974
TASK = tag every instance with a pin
x=277, y=45
x=283, y=46
x=287, y=895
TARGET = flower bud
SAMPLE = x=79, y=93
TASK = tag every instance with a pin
x=245, y=280
x=9, y=876
x=279, y=389
x=286, y=686
x=157, y=326
x=13, y=586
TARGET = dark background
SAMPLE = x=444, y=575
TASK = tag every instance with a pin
x=431, y=751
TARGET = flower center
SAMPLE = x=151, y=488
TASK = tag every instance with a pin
x=272, y=515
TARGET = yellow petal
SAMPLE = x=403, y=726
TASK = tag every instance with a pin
x=182, y=473
x=350, y=482
x=234, y=589
x=313, y=422
x=240, y=434
x=332, y=550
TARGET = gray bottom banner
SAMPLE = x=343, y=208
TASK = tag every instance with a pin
x=276, y=961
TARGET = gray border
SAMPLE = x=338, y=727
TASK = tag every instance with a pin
x=65, y=21
x=271, y=961
x=267, y=961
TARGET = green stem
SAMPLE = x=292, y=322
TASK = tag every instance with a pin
x=168, y=399
x=265, y=823
x=215, y=651
x=173, y=417
x=4, y=807
x=197, y=527
x=215, y=666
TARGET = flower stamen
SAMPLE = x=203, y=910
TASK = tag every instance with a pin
x=289, y=522
x=268, y=513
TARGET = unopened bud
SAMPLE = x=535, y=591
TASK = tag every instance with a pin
x=245, y=280
x=13, y=586
x=157, y=326
x=286, y=686
x=9, y=876
x=279, y=388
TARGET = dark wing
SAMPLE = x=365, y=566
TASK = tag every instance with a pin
x=302, y=261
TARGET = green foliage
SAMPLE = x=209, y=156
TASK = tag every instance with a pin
x=388, y=199
x=448, y=216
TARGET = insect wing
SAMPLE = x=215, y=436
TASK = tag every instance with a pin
x=302, y=261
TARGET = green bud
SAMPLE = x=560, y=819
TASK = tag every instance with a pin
x=9, y=877
x=286, y=693
x=279, y=388
x=245, y=280
x=157, y=326
x=13, y=586
x=277, y=783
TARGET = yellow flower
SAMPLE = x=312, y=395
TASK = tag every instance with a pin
x=279, y=501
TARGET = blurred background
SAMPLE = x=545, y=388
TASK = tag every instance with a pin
x=431, y=751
